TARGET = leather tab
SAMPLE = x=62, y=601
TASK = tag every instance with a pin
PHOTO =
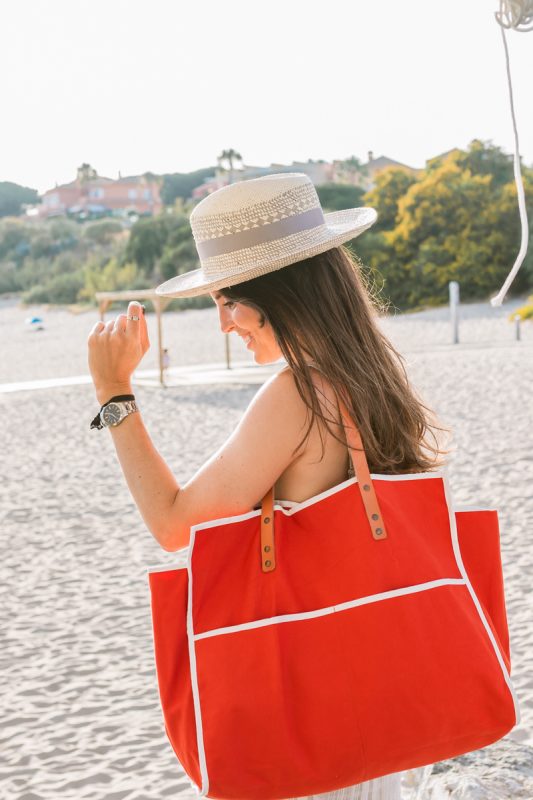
x=268, y=553
x=362, y=473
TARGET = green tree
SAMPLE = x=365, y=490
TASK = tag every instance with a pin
x=481, y=158
x=391, y=185
x=182, y=184
x=146, y=243
x=354, y=169
x=155, y=243
x=13, y=197
x=104, y=231
x=113, y=276
x=60, y=289
x=15, y=237
x=337, y=196
x=450, y=227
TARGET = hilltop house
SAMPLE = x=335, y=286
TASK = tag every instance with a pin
x=98, y=196
x=365, y=175
x=320, y=172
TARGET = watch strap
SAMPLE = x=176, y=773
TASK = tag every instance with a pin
x=118, y=398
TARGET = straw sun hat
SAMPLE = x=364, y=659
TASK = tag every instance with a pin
x=257, y=226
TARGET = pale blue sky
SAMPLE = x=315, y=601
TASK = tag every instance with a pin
x=166, y=85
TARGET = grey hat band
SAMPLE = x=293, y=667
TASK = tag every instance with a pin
x=261, y=234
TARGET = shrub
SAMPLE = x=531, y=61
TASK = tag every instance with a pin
x=60, y=289
x=524, y=312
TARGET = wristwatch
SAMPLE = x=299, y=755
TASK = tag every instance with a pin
x=114, y=411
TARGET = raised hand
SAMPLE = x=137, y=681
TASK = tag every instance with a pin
x=115, y=350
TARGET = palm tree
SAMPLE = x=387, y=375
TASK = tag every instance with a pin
x=354, y=170
x=229, y=156
x=86, y=173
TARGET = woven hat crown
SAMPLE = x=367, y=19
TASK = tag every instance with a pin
x=252, y=204
x=253, y=227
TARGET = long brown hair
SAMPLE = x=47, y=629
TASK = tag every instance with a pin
x=324, y=307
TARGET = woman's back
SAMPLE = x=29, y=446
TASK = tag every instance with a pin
x=323, y=461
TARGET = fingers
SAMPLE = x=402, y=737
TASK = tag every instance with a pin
x=145, y=341
x=98, y=327
x=136, y=324
x=121, y=323
x=135, y=318
x=133, y=323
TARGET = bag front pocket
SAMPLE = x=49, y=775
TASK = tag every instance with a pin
x=312, y=702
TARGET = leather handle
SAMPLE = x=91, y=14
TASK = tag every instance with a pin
x=268, y=552
x=362, y=473
x=364, y=481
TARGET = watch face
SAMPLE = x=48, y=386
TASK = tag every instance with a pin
x=111, y=414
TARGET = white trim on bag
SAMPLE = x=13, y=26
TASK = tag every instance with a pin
x=474, y=508
x=462, y=570
x=288, y=507
x=202, y=791
x=322, y=612
x=295, y=506
x=317, y=498
x=179, y=562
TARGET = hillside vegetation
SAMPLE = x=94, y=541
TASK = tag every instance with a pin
x=457, y=220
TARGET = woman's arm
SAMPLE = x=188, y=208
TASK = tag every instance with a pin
x=232, y=481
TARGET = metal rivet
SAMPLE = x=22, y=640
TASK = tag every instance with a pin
x=266, y=520
x=379, y=530
x=267, y=548
x=268, y=563
x=366, y=487
x=375, y=516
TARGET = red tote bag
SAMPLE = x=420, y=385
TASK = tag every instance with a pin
x=358, y=633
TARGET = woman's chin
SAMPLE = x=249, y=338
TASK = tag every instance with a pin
x=266, y=359
x=264, y=355
x=259, y=358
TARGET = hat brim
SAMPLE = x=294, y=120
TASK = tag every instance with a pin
x=339, y=227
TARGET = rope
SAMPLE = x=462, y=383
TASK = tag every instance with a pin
x=518, y=15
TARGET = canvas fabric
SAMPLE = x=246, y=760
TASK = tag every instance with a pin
x=352, y=659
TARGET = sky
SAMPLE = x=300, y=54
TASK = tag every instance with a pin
x=165, y=86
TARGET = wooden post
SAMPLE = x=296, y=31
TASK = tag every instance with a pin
x=157, y=306
x=228, y=352
x=103, y=305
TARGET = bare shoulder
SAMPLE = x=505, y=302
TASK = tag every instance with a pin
x=248, y=464
x=277, y=409
x=279, y=389
x=280, y=395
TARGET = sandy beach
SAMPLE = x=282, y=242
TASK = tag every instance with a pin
x=80, y=708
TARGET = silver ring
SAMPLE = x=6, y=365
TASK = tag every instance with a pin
x=134, y=318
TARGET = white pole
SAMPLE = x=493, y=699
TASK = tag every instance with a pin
x=453, y=288
x=517, y=327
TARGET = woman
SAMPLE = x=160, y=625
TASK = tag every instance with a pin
x=276, y=269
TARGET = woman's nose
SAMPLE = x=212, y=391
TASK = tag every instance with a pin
x=226, y=322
